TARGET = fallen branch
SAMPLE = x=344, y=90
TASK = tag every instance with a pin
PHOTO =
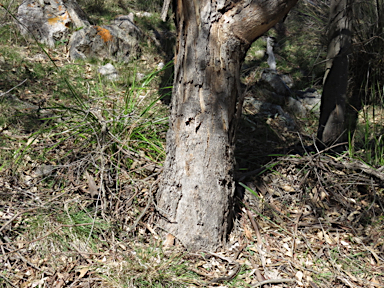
x=232, y=275
x=354, y=165
x=259, y=245
x=7, y=280
x=21, y=83
x=272, y=281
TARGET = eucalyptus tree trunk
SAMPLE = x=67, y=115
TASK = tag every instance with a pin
x=196, y=194
x=335, y=83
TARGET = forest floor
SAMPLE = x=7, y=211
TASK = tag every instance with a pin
x=75, y=200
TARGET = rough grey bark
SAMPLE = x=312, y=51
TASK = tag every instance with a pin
x=197, y=189
x=333, y=107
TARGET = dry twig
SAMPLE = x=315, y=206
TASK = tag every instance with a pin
x=352, y=165
x=15, y=216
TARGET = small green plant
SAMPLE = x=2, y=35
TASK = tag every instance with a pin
x=61, y=42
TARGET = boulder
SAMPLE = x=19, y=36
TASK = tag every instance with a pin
x=104, y=42
x=275, y=89
x=273, y=82
x=295, y=107
x=127, y=23
x=49, y=20
x=257, y=107
x=310, y=98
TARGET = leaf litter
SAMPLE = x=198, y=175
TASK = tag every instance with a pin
x=302, y=225
x=306, y=221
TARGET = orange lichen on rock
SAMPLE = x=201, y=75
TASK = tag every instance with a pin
x=104, y=34
x=63, y=19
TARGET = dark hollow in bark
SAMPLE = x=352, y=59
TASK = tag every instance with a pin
x=197, y=189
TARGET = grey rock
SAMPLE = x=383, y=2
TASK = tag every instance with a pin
x=263, y=108
x=287, y=80
x=49, y=20
x=126, y=23
x=143, y=14
x=104, y=42
x=44, y=170
x=272, y=80
x=259, y=54
x=160, y=66
x=77, y=15
x=295, y=107
x=310, y=98
x=109, y=71
x=275, y=89
x=270, y=110
x=139, y=76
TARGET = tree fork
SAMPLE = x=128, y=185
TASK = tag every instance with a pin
x=197, y=187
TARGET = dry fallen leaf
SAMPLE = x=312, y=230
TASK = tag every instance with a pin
x=169, y=241
x=289, y=253
x=328, y=239
x=82, y=272
x=92, y=187
x=248, y=233
x=288, y=188
x=299, y=275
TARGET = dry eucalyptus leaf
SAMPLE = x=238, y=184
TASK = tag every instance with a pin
x=92, y=187
x=288, y=188
x=83, y=271
x=169, y=241
x=248, y=233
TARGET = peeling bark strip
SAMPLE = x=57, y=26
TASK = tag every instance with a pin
x=197, y=188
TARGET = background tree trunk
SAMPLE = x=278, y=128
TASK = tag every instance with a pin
x=197, y=188
x=332, y=110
